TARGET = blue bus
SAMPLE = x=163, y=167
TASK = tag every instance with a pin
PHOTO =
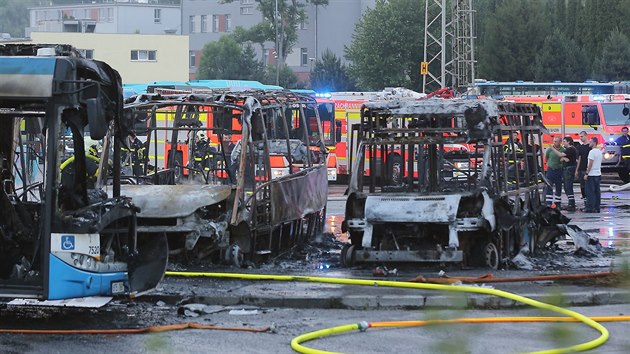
x=61, y=235
x=529, y=88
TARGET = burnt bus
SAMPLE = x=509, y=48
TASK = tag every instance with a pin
x=425, y=200
x=61, y=236
x=235, y=176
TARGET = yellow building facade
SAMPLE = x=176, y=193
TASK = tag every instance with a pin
x=139, y=58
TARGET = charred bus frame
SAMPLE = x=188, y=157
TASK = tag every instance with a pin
x=64, y=240
x=247, y=208
x=424, y=201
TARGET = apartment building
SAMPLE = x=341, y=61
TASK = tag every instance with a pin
x=326, y=27
x=138, y=58
x=203, y=21
x=108, y=16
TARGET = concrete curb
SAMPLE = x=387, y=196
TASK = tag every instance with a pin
x=361, y=302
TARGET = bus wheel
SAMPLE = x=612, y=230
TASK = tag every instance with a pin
x=347, y=256
x=491, y=255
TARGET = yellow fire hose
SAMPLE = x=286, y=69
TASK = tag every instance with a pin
x=296, y=342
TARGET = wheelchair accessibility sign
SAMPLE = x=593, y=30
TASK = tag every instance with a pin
x=88, y=244
x=67, y=242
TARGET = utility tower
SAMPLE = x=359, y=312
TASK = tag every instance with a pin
x=449, y=44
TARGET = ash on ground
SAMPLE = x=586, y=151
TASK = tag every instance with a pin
x=320, y=254
x=576, y=249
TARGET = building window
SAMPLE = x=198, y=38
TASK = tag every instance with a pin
x=228, y=23
x=303, y=56
x=157, y=16
x=192, y=59
x=204, y=23
x=110, y=14
x=247, y=2
x=191, y=24
x=247, y=10
x=215, y=23
x=87, y=53
x=102, y=15
x=143, y=55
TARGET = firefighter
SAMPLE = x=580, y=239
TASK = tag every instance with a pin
x=204, y=155
x=624, y=144
x=514, y=151
x=133, y=158
x=92, y=158
x=553, y=154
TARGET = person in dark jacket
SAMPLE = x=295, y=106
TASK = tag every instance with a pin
x=582, y=149
x=569, y=163
x=624, y=144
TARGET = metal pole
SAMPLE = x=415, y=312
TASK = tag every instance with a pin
x=316, y=10
x=275, y=17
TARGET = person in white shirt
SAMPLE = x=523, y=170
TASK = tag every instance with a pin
x=593, y=178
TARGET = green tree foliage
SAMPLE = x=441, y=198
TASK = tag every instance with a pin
x=14, y=17
x=287, y=77
x=613, y=63
x=227, y=59
x=329, y=74
x=259, y=34
x=561, y=59
x=386, y=46
x=288, y=18
x=513, y=37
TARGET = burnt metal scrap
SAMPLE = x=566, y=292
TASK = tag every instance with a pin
x=433, y=181
x=229, y=176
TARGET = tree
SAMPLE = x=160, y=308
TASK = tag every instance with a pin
x=287, y=77
x=614, y=61
x=330, y=75
x=288, y=18
x=561, y=59
x=226, y=59
x=14, y=17
x=512, y=38
x=386, y=46
x=258, y=34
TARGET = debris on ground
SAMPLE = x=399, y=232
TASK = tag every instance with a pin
x=384, y=272
x=577, y=249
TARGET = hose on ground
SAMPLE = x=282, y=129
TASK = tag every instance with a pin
x=619, y=188
x=489, y=278
x=363, y=326
x=150, y=329
x=295, y=344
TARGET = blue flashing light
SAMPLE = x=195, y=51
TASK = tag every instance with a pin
x=323, y=94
